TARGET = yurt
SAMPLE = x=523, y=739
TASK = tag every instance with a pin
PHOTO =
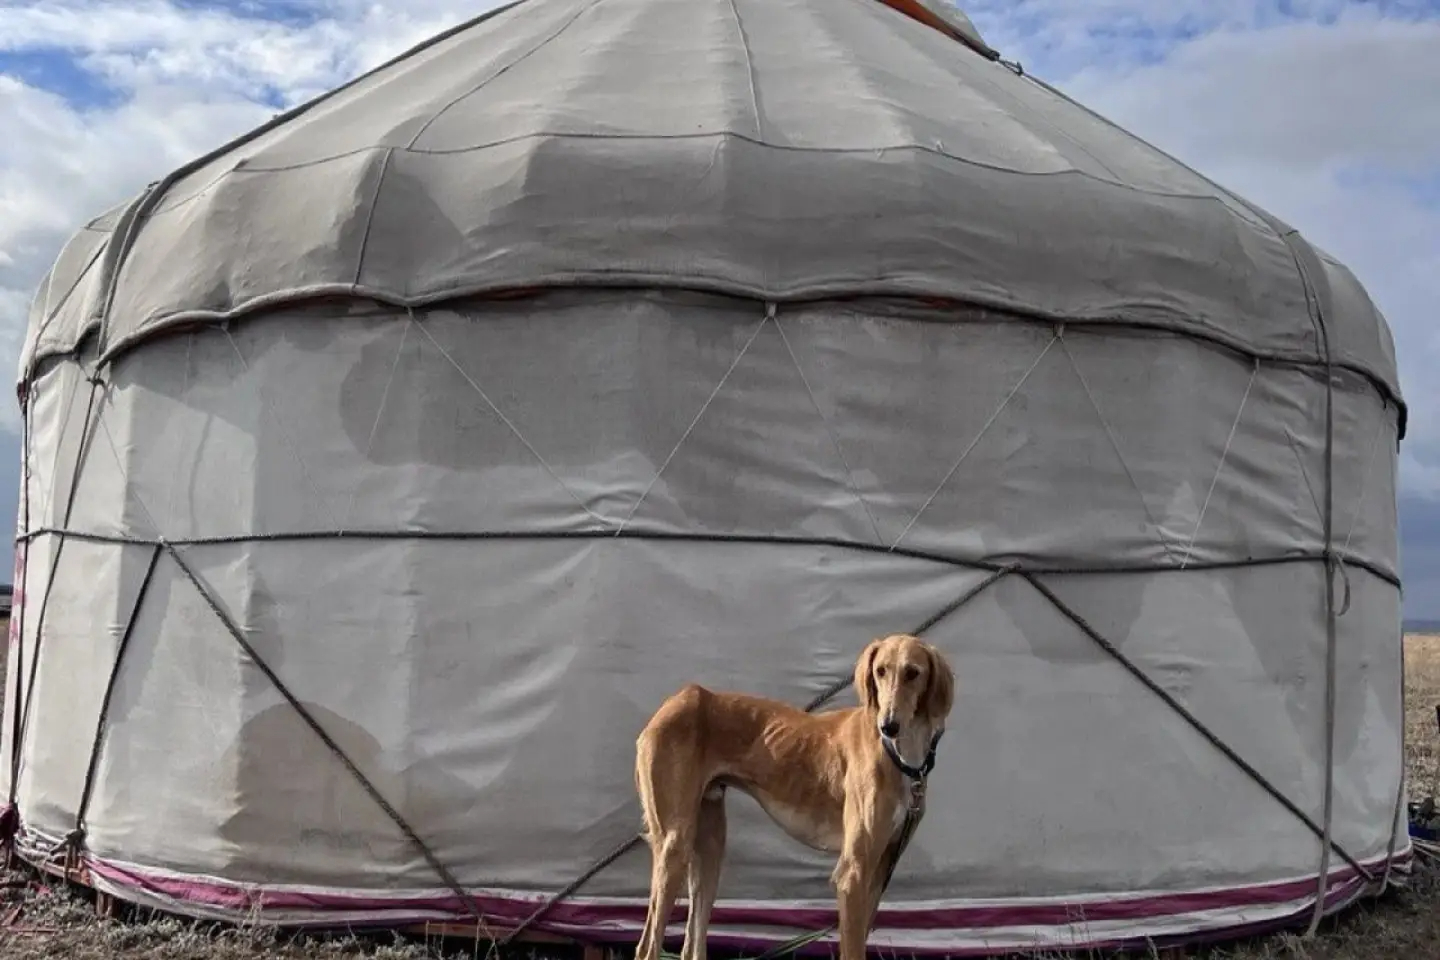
x=385, y=468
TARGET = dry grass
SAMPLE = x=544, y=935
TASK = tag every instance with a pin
x=1422, y=676
x=43, y=920
x=60, y=924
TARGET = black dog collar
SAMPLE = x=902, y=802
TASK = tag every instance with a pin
x=914, y=773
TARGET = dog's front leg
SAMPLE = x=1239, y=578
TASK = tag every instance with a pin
x=855, y=871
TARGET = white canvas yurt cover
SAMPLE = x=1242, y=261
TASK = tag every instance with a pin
x=385, y=468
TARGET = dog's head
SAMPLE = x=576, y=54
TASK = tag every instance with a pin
x=903, y=681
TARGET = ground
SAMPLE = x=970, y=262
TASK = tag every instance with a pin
x=47, y=921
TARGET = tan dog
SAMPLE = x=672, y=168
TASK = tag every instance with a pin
x=835, y=781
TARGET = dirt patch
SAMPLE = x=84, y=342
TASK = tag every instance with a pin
x=47, y=920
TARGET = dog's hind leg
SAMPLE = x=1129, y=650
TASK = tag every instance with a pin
x=670, y=797
x=705, y=870
x=671, y=853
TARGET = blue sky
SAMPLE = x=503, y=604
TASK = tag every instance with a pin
x=57, y=71
x=1323, y=111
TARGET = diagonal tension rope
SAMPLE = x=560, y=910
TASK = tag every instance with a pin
x=824, y=697
x=76, y=839
x=16, y=696
x=442, y=871
x=1130, y=666
x=795, y=943
x=72, y=841
x=1090, y=632
x=1174, y=703
x=850, y=482
x=10, y=815
x=1400, y=787
x=24, y=699
x=834, y=690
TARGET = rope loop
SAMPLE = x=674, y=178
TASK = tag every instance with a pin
x=1335, y=563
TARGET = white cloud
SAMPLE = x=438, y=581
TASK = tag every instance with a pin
x=184, y=81
x=60, y=167
x=1294, y=96
x=1311, y=108
x=134, y=43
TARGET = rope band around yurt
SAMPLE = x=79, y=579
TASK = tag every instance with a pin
x=968, y=563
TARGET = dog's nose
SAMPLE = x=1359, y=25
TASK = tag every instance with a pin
x=890, y=727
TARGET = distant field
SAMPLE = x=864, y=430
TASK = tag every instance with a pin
x=50, y=922
x=1422, y=676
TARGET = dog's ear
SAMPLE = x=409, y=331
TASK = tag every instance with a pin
x=865, y=678
x=939, y=695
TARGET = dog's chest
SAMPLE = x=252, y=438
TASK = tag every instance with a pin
x=806, y=825
x=898, y=819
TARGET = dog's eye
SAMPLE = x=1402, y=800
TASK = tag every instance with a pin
x=910, y=673
x=879, y=671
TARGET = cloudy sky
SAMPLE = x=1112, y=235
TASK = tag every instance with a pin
x=1324, y=111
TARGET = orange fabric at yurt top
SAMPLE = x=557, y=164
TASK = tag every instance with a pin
x=948, y=20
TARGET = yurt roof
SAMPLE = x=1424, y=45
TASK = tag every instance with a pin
x=781, y=150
